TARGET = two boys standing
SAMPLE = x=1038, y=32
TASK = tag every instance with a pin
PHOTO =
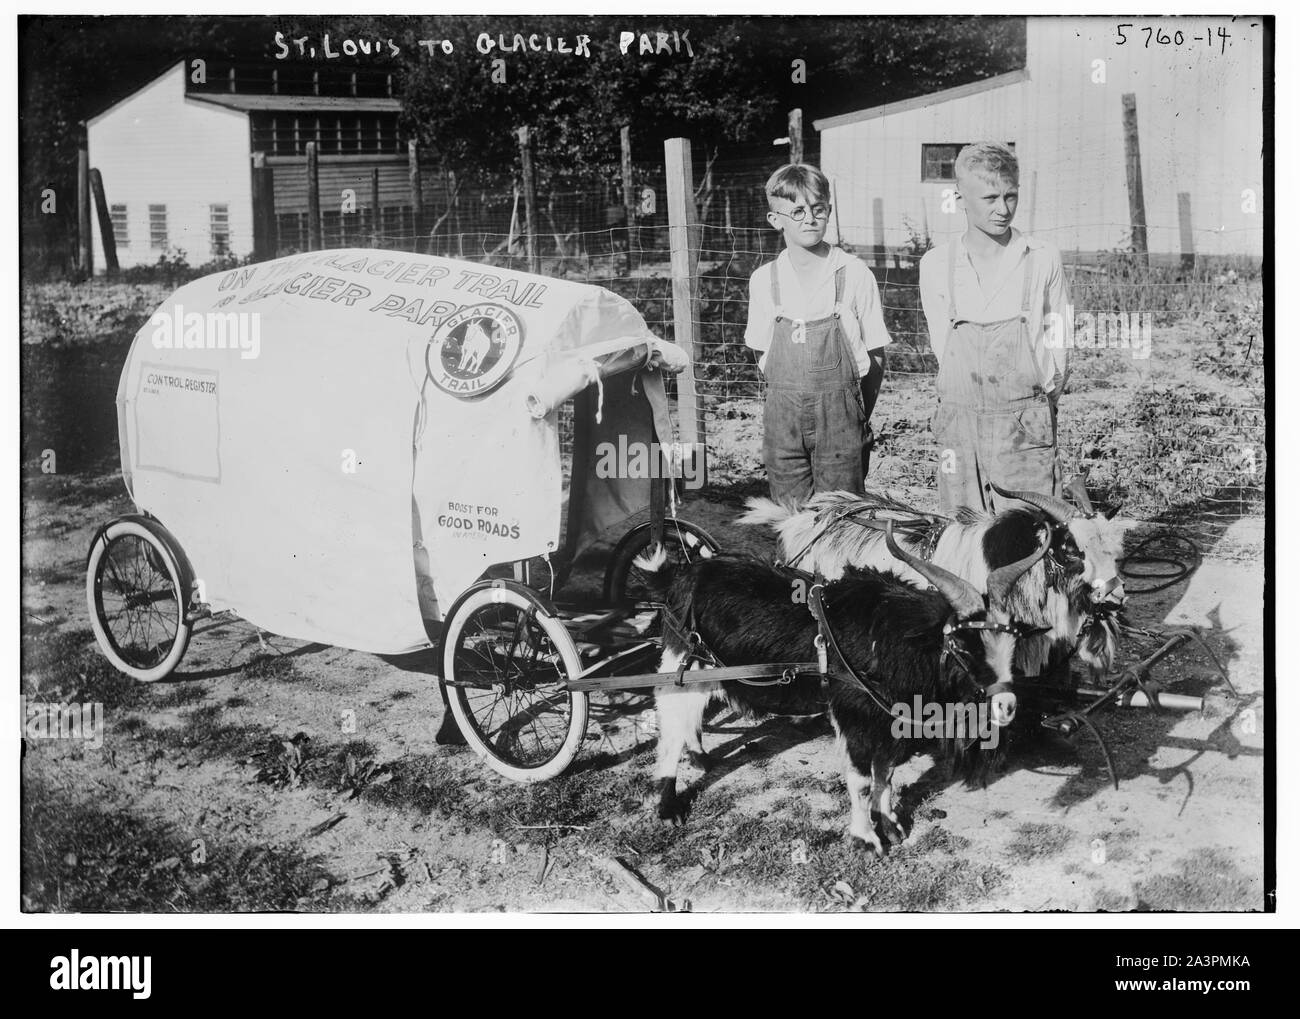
x=815, y=317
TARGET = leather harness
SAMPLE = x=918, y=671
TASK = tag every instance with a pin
x=831, y=665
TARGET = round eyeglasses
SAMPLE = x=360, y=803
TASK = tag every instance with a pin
x=800, y=213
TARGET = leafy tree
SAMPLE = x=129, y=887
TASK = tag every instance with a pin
x=731, y=93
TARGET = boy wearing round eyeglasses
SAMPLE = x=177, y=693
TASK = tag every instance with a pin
x=815, y=318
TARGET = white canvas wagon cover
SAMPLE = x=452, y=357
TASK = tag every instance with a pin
x=342, y=441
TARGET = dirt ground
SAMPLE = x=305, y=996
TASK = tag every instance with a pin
x=195, y=802
x=232, y=785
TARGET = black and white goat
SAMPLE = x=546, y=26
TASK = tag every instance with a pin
x=944, y=646
x=1074, y=593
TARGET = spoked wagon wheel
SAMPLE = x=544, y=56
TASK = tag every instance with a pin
x=684, y=542
x=137, y=590
x=505, y=661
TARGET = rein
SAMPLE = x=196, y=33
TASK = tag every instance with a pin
x=831, y=665
x=934, y=527
x=835, y=666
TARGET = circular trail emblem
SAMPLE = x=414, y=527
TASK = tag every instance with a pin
x=473, y=351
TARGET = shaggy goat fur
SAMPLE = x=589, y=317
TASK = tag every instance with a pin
x=970, y=547
x=890, y=632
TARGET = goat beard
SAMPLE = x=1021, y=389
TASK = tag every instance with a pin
x=966, y=757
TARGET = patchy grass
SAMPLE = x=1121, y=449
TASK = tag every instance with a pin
x=426, y=783
x=53, y=573
x=80, y=857
x=178, y=695
x=1206, y=882
x=205, y=732
x=1118, y=845
x=68, y=666
x=1107, y=900
x=1036, y=841
x=272, y=666
x=939, y=840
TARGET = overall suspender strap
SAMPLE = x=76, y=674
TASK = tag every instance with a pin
x=1029, y=278
x=952, y=276
x=839, y=288
x=776, y=289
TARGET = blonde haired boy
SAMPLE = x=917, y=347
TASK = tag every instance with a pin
x=987, y=299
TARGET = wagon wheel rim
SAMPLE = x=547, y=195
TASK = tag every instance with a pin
x=131, y=585
x=519, y=693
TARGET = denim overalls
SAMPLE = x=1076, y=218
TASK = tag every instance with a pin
x=994, y=421
x=813, y=420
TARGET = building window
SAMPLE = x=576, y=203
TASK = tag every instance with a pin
x=158, y=227
x=117, y=214
x=281, y=135
x=938, y=161
x=219, y=227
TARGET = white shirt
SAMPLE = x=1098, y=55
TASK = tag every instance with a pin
x=861, y=316
x=1048, y=296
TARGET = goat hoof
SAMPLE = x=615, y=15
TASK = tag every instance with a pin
x=890, y=829
x=871, y=842
x=672, y=808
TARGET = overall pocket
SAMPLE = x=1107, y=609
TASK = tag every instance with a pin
x=1036, y=427
x=825, y=350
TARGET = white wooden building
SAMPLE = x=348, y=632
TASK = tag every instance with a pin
x=176, y=159
x=1199, y=98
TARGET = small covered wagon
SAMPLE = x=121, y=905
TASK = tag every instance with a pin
x=378, y=450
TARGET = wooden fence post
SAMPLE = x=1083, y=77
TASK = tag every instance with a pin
x=1137, y=211
x=85, y=245
x=530, y=199
x=453, y=208
x=879, y=251
x=796, y=136
x=835, y=207
x=1186, y=241
x=266, y=241
x=629, y=194
x=417, y=189
x=1033, y=201
x=374, y=206
x=105, y=222
x=683, y=242
x=313, y=199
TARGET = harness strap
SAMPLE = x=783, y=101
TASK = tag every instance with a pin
x=853, y=513
x=837, y=667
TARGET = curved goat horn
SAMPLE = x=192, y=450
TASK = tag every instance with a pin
x=1079, y=490
x=1004, y=578
x=1058, y=510
x=961, y=594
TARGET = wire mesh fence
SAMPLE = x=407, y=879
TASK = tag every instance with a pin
x=1174, y=428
